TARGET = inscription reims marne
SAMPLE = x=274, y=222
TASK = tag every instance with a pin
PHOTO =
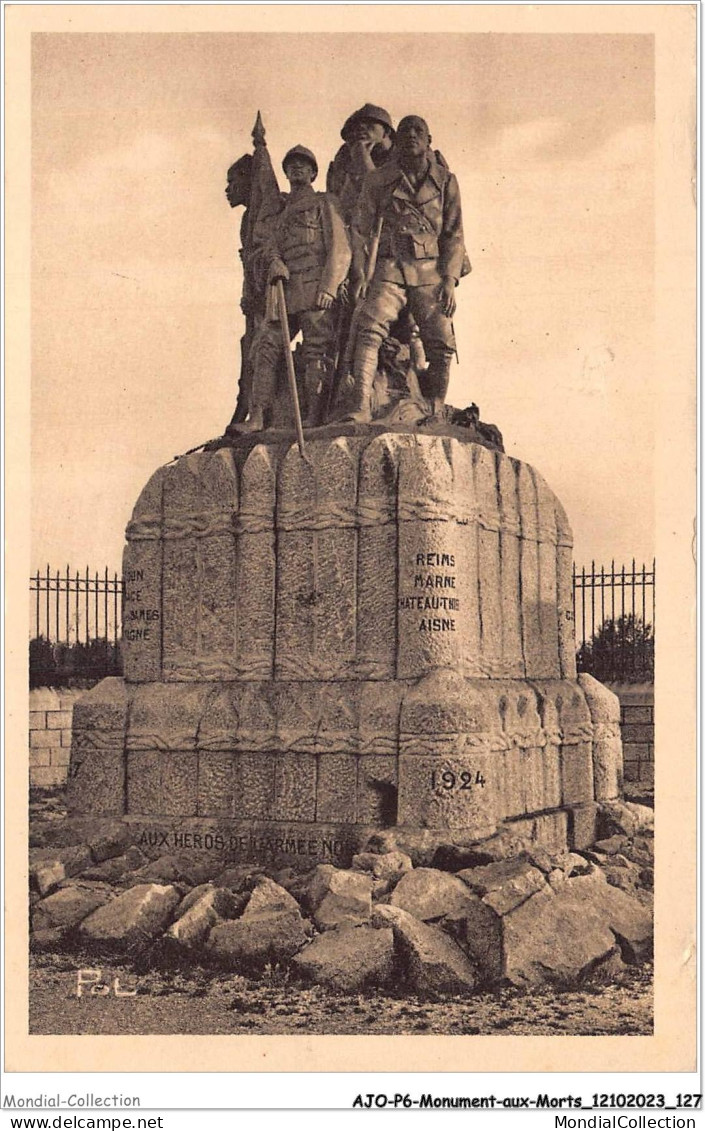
x=139, y=621
x=433, y=592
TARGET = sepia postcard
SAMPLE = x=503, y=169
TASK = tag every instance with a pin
x=350, y=482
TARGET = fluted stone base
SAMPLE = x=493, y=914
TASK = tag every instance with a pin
x=331, y=762
x=379, y=635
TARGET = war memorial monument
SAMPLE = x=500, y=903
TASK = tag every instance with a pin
x=348, y=644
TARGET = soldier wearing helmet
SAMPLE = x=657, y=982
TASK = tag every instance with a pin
x=368, y=137
x=420, y=260
x=307, y=247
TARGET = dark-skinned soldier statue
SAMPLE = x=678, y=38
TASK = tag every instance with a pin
x=420, y=260
x=306, y=246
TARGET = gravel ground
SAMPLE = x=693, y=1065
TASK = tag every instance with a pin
x=204, y=1001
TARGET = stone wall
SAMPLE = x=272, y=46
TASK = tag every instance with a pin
x=637, y=717
x=50, y=715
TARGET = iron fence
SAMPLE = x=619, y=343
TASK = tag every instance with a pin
x=615, y=616
x=614, y=611
x=76, y=607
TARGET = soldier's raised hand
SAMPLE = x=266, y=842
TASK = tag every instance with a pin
x=324, y=301
x=361, y=152
x=446, y=296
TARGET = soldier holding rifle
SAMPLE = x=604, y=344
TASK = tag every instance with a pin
x=305, y=247
x=412, y=204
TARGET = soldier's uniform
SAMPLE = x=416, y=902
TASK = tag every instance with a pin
x=421, y=242
x=309, y=237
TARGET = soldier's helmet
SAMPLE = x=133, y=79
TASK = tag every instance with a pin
x=374, y=113
x=301, y=151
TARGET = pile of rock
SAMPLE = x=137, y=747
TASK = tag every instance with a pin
x=387, y=920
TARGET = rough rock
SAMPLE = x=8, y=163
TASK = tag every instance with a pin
x=238, y=877
x=250, y=943
x=197, y=872
x=629, y=920
x=559, y=934
x=627, y=862
x=49, y=866
x=114, y=867
x=570, y=863
x=192, y=927
x=506, y=883
x=624, y=818
x=641, y=851
x=164, y=870
x=620, y=872
x=268, y=898
x=521, y=838
x=285, y=877
x=48, y=938
x=338, y=897
x=114, y=843
x=384, y=866
x=47, y=876
x=427, y=893
x=349, y=959
x=454, y=857
x=132, y=919
x=420, y=845
x=66, y=907
x=433, y=963
x=193, y=897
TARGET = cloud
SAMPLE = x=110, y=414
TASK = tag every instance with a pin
x=533, y=139
x=580, y=144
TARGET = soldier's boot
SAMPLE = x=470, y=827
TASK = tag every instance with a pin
x=316, y=381
x=434, y=383
x=417, y=352
x=254, y=422
x=365, y=371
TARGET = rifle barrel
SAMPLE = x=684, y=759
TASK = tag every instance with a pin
x=291, y=375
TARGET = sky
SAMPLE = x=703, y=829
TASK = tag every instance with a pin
x=136, y=278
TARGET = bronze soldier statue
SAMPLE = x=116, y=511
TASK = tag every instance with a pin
x=307, y=247
x=252, y=184
x=368, y=138
x=238, y=191
x=413, y=202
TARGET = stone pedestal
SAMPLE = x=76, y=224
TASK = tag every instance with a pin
x=380, y=634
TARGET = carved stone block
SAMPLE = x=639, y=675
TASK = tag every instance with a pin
x=216, y=781
x=336, y=789
x=428, y=551
x=604, y=709
x=256, y=566
x=294, y=788
x=254, y=791
x=179, y=783
x=513, y=666
x=377, y=790
x=452, y=792
x=142, y=566
x=377, y=581
x=96, y=782
x=96, y=777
